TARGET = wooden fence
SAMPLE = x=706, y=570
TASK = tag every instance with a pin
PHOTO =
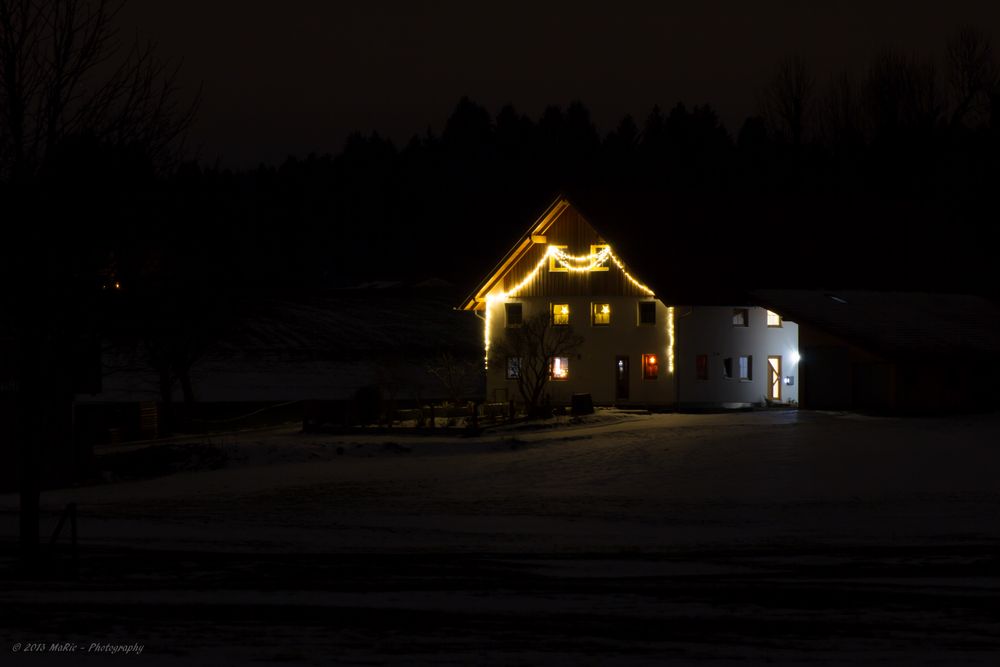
x=350, y=416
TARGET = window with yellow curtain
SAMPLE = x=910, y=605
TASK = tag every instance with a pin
x=602, y=314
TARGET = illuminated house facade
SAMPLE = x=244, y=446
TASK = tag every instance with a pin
x=636, y=349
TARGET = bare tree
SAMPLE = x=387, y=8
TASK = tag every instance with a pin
x=787, y=101
x=65, y=71
x=533, y=346
x=901, y=93
x=973, y=75
x=840, y=114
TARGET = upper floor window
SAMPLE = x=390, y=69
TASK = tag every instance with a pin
x=513, y=368
x=773, y=319
x=741, y=317
x=647, y=312
x=554, y=263
x=514, y=314
x=560, y=314
x=595, y=252
x=601, y=314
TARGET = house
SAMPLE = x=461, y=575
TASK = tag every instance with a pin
x=638, y=348
x=900, y=352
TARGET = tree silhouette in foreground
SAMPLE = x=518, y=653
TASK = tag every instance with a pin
x=86, y=123
x=532, y=347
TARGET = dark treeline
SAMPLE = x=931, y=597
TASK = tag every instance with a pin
x=896, y=165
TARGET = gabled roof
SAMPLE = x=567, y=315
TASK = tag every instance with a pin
x=894, y=324
x=639, y=232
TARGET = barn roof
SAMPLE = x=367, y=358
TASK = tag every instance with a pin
x=895, y=324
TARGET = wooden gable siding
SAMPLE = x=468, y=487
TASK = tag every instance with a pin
x=570, y=229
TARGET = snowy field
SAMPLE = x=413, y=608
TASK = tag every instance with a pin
x=776, y=537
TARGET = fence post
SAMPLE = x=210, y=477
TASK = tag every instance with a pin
x=72, y=533
x=69, y=514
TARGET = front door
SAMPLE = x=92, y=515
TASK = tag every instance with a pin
x=621, y=378
x=774, y=378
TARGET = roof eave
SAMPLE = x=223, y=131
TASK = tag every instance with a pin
x=476, y=299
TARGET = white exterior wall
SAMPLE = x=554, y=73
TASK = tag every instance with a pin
x=592, y=369
x=709, y=330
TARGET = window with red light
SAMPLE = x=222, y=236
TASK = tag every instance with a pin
x=701, y=366
x=650, y=366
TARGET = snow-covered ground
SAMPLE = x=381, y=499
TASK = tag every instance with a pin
x=639, y=482
x=794, y=537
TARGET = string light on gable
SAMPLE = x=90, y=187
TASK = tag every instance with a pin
x=635, y=282
x=575, y=264
x=583, y=263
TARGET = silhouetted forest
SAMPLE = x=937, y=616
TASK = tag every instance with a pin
x=882, y=179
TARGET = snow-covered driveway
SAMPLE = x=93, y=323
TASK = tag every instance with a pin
x=639, y=483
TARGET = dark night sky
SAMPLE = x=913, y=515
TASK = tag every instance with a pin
x=297, y=76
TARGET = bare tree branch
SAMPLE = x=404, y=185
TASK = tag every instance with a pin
x=787, y=103
x=53, y=84
x=973, y=75
x=535, y=344
x=900, y=93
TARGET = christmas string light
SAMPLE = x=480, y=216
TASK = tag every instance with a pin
x=575, y=264
x=589, y=262
x=670, y=339
x=486, y=335
x=635, y=282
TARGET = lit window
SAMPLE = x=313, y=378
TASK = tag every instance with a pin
x=602, y=314
x=514, y=314
x=554, y=264
x=560, y=368
x=741, y=317
x=727, y=368
x=746, y=368
x=701, y=366
x=647, y=312
x=650, y=366
x=560, y=314
x=594, y=251
x=513, y=368
x=773, y=319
